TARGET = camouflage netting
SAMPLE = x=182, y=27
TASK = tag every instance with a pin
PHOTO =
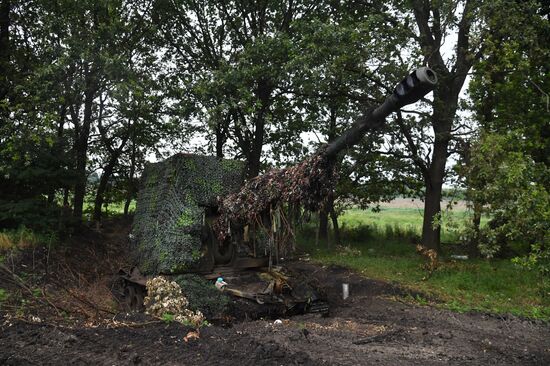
x=166, y=233
x=203, y=295
x=307, y=184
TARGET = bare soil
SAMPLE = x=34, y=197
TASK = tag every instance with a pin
x=371, y=327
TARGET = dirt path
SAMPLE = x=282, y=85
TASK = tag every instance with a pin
x=368, y=328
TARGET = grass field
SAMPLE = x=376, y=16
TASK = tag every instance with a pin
x=114, y=208
x=405, y=220
x=380, y=247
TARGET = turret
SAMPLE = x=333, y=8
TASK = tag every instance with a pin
x=194, y=212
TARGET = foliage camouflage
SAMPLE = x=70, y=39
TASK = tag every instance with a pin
x=307, y=184
x=171, y=207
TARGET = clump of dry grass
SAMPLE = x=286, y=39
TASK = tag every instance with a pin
x=5, y=242
x=347, y=250
x=22, y=238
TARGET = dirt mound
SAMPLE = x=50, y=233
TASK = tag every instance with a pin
x=71, y=282
x=155, y=344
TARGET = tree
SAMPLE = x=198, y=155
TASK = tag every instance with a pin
x=31, y=120
x=233, y=59
x=507, y=170
x=71, y=66
x=5, y=6
x=104, y=52
x=129, y=125
x=429, y=150
x=348, y=57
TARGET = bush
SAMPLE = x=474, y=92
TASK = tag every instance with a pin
x=512, y=188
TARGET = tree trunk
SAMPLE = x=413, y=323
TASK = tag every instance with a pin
x=104, y=180
x=80, y=186
x=436, y=174
x=101, y=188
x=432, y=211
x=255, y=156
x=130, y=192
x=451, y=79
x=219, y=144
x=65, y=197
x=473, y=245
x=335, y=227
x=323, y=219
x=328, y=209
x=263, y=94
x=127, y=203
x=57, y=148
x=81, y=148
x=221, y=134
x=323, y=225
x=81, y=145
x=4, y=56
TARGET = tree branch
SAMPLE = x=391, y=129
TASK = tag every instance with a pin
x=412, y=146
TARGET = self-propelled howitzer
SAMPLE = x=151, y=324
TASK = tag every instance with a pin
x=196, y=214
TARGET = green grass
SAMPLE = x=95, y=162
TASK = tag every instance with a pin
x=403, y=220
x=113, y=209
x=117, y=208
x=3, y=295
x=388, y=253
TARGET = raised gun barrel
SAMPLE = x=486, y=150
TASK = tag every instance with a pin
x=419, y=83
x=192, y=210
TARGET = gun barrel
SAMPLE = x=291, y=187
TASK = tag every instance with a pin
x=416, y=85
